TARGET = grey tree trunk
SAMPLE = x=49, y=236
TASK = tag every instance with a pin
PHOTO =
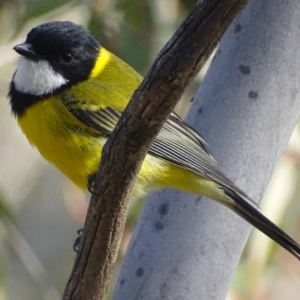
x=185, y=247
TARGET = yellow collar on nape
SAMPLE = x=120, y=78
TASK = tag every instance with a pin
x=101, y=62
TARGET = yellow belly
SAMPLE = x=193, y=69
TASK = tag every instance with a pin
x=50, y=128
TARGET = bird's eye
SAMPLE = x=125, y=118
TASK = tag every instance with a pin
x=66, y=58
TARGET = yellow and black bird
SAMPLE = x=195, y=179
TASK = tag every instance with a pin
x=68, y=93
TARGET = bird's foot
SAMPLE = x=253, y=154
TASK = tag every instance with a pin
x=92, y=185
x=77, y=241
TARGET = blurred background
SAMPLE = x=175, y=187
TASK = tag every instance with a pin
x=40, y=210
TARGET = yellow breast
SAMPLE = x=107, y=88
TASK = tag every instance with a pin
x=62, y=139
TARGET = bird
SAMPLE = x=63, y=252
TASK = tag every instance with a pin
x=68, y=93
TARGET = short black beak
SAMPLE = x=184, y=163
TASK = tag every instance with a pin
x=25, y=50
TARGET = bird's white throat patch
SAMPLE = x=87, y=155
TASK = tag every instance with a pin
x=37, y=77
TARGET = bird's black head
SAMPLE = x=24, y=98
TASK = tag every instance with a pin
x=54, y=55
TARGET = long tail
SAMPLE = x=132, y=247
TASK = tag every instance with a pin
x=258, y=220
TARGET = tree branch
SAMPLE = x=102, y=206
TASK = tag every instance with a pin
x=175, y=66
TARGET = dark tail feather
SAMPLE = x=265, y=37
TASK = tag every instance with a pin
x=258, y=220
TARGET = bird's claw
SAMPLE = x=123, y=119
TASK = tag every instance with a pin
x=92, y=185
x=77, y=241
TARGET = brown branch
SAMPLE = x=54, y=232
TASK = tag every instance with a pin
x=175, y=66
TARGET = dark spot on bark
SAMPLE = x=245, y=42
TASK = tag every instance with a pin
x=122, y=282
x=245, y=69
x=237, y=28
x=198, y=200
x=200, y=110
x=192, y=99
x=159, y=225
x=253, y=95
x=163, y=209
x=139, y=272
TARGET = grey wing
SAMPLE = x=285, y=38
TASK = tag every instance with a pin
x=182, y=145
